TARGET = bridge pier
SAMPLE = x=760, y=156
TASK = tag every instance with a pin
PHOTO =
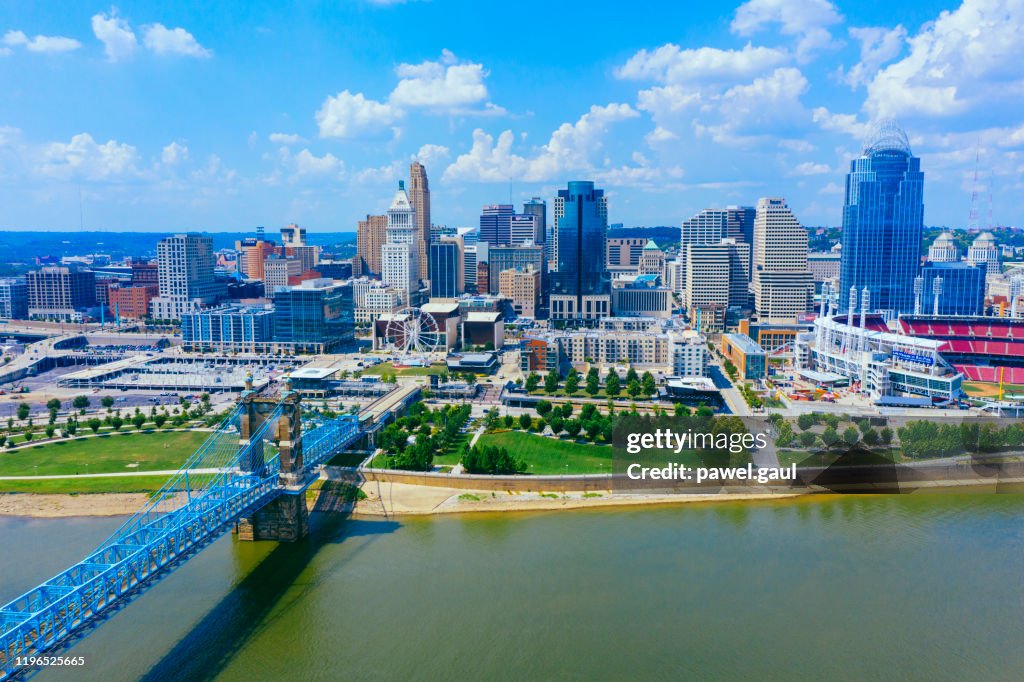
x=284, y=519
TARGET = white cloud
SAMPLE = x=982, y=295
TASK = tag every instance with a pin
x=797, y=145
x=570, y=148
x=671, y=64
x=841, y=123
x=307, y=163
x=967, y=59
x=174, y=153
x=878, y=46
x=659, y=135
x=832, y=188
x=350, y=115
x=118, y=39
x=40, y=43
x=431, y=154
x=811, y=168
x=767, y=105
x=172, y=41
x=285, y=138
x=445, y=84
x=83, y=158
x=804, y=19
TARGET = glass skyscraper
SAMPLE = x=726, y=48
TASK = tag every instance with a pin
x=883, y=218
x=581, y=275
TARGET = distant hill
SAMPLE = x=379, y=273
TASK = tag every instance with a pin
x=27, y=245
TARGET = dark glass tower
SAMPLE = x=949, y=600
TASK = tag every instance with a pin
x=581, y=231
x=883, y=218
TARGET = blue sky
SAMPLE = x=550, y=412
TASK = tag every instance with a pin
x=179, y=116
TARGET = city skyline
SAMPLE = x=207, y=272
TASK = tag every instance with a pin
x=669, y=116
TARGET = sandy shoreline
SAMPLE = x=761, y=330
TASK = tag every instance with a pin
x=393, y=499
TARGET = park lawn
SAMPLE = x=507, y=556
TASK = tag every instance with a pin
x=377, y=370
x=545, y=455
x=73, y=485
x=451, y=456
x=152, y=451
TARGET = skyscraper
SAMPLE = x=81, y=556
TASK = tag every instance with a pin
x=399, y=255
x=496, y=224
x=579, y=289
x=419, y=195
x=523, y=229
x=537, y=207
x=185, y=269
x=883, y=218
x=371, y=235
x=446, y=268
x=783, y=286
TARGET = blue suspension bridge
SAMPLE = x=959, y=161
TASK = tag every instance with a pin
x=250, y=474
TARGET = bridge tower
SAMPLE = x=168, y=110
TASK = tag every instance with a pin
x=285, y=519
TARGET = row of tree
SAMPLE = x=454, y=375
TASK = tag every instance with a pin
x=636, y=385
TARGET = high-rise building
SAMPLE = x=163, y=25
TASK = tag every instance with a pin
x=252, y=252
x=707, y=227
x=739, y=225
x=316, y=316
x=539, y=209
x=129, y=302
x=399, y=256
x=496, y=224
x=277, y=271
x=522, y=288
x=707, y=277
x=470, y=235
x=293, y=235
x=523, y=230
x=238, y=328
x=943, y=249
x=474, y=255
x=623, y=253
x=371, y=235
x=783, y=286
x=961, y=291
x=146, y=275
x=13, y=298
x=419, y=195
x=520, y=257
x=446, y=268
x=60, y=293
x=580, y=287
x=984, y=250
x=185, y=268
x=883, y=216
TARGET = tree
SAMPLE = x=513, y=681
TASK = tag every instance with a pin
x=53, y=404
x=566, y=410
x=612, y=385
x=491, y=460
x=573, y=428
x=593, y=429
x=23, y=411
x=805, y=421
x=864, y=425
x=544, y=408
x=633, y=389
x=29, y=436
x=3, y=439
x=116, y=423
x=829, y=436
x=138, y=420
x=108, y=402
x=572, y=381
x=557, y=424
x=887, y=435
x=648, y=384
x=80, y=402
x=593, y=385
x=807, y=439
x=682, y=410
x=94, y=424
x=50, y=430
x=551, y=381
x=539, y=424
x=631, y=375
x=871, y=437
x=524, y=421
x=704, y=411
x=71, y=428
x=532, y=382
x=851, y=435
x=509, y=421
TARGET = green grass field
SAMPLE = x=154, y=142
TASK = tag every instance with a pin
x=550, y=455
x=377, y=370
x=156, y=451
x=984, y=389
x=75, y=485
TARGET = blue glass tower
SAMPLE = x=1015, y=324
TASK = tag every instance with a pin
x=883, y=218
x=581, y=231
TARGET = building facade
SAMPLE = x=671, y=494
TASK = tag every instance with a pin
x=317, y=316
x=13, y=298
x=371, y=235
x=496, y=224
x=537, y=208
x=185, y=265
x=447, y=279
x=419, y=195
x=277, y=272
x=229, y=328
x=60, y=293
x=521, y=257
x=580, y=286
x=522, y=288
x=783, y=286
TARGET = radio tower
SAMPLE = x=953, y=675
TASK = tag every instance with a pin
x=973, y=216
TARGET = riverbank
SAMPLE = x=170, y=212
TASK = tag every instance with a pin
x=62, y=506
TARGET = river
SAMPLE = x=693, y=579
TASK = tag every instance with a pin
x=856, y=587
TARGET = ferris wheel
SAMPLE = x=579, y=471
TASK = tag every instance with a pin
x=411, y=331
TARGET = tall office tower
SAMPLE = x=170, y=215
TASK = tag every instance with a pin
x=523, y=230
x=984, y=250
x=579, y=288
x=707, y=227
x=185, y=269
x=474, y=254
x=783, y=286
x=317, y=316
x=419, y=195
x=538, y=208
x=623, y=254
x=551, y=236
x=59, y=293
x=252, y=252
x=739, y=272
x=501, y=258
x=371, y=235
x=943, y=249
x=883, y=218
x=739, y=225
x=522, y=288
x=496, y=224
x=13, y=298
x=707, y=278
x=277, y=271
x=293, y=235
x=399, y=255
x=446, y=268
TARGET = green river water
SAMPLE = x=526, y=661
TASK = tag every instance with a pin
x=856, y=587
